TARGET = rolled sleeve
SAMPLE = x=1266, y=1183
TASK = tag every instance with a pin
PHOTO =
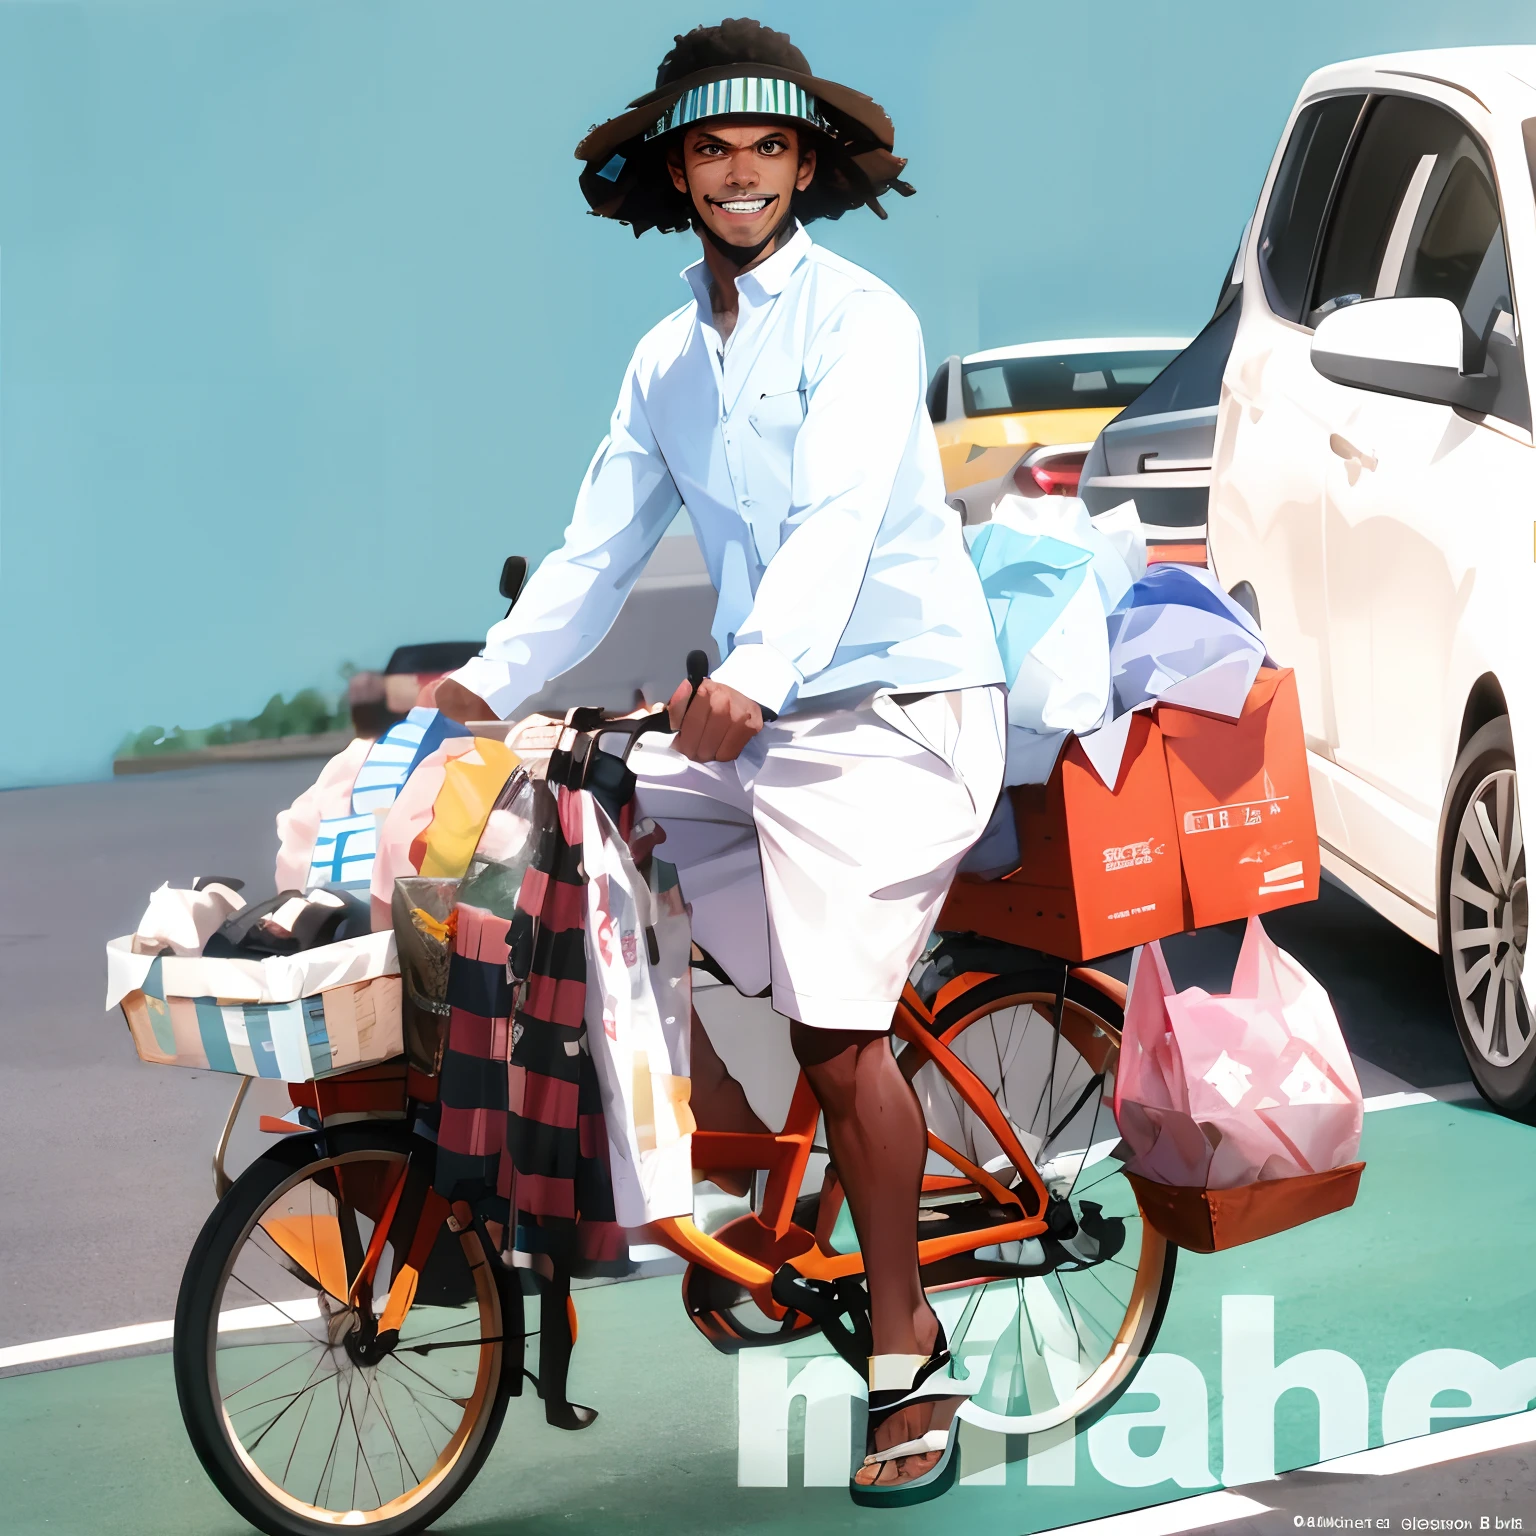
x=864, y=384
x=624, y=506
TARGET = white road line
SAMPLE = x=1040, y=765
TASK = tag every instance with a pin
x=1451, y=1093
x=1211, y=1509
x=152, y=1333
x=107, y=1339
x=1197, y=1514
x=1397, y=1101
x=1431, y=1450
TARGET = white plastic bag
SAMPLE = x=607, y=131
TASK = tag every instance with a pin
x=182, y=920
x=1051, y=574
x=638, y=1012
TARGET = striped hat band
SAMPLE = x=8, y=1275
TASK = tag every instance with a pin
x=748, y=96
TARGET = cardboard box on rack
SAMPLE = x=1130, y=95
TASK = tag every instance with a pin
x=1098, y=862
x=292, y=1017
x=1247, y=833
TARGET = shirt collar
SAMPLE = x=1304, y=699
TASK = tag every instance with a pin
x=762, y=282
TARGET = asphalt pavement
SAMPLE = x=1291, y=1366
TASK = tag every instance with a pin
x=106, y=1182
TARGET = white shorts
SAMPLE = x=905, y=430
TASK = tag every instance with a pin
x=817, y=861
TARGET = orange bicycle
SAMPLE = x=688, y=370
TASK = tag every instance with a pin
x=347, y=1341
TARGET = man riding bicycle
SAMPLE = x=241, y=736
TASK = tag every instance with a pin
x=823, y=786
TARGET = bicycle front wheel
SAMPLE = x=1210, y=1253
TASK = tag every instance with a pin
x=1054, y=1326
x=303, y=1415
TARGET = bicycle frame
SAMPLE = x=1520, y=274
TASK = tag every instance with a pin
x=771, y=1239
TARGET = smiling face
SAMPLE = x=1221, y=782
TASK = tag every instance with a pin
x=742, y=176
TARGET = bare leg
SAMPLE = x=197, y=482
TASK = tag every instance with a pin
x=878, y=1141
x=719, y=1104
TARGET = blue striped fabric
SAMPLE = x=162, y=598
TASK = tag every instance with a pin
x=344, y=851
x=396, y=753
x=387, y=766
x=745, y=96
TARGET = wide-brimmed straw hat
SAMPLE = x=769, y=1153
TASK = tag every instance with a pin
x=739, y=69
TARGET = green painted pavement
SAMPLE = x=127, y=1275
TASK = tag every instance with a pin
x=1439, y=1254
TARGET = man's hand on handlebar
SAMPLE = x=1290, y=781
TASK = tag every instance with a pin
x=455, y=701
x=716, y=724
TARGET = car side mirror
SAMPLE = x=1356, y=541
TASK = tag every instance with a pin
x=1412, y=348
x=514, y=572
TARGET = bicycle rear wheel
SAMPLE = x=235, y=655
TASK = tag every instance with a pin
x=1051, y=1329
x=303, y=1422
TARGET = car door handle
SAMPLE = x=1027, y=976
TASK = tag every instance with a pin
x=1347, y=451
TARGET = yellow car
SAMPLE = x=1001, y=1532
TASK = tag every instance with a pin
x=1022, y=419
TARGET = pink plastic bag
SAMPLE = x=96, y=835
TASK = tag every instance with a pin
x=1217, y=1092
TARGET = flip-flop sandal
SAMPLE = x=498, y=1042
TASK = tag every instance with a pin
x=897, y=1382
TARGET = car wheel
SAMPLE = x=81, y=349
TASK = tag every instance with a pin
x=1484, y=919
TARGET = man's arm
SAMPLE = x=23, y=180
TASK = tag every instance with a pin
x=864, y=384
x=624, y=506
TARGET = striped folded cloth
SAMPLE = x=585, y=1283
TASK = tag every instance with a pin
x=392, y=757
x=522, y=1135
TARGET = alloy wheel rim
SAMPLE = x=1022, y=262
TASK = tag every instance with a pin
x=1489, y=921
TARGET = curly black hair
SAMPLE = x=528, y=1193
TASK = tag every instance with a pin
x=734, y=41
x=853, y=167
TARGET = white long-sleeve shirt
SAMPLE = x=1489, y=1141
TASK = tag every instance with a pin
x=804, y=455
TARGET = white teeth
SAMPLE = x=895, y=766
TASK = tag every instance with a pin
x=753, y=205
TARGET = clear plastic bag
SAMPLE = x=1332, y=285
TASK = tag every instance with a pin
x=423, y=912
x=523, y=809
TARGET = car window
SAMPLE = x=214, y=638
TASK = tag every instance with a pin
x=1193, y=378
x=1417, y=216
x=434, y=656
x=938, y=393
x=1299, y=201
x=1065, y=381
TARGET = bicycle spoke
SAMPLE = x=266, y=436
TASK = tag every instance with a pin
x=436, y=1390
x=257, y=1380
x=415, y=1396
x=298, y=1435
x=292, y=1321
x=1047, y=1339
x=271, y=1423
x=392, y=1421
x=325, y=1467
x=1112, y=1173
x=381, y=1408
x=291, y=1398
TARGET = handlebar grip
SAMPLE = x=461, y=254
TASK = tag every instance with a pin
x=698, y=668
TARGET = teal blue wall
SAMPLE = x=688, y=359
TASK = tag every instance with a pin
x=303, y=325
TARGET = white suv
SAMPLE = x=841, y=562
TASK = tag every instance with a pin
x=1373, y=498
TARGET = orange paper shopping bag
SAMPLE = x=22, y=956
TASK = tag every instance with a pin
x=1247, y=833
x=1098, y=862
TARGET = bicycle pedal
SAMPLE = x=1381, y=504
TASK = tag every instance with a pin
x=817, y=1299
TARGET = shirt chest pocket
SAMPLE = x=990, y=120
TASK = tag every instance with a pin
x=774, y=419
